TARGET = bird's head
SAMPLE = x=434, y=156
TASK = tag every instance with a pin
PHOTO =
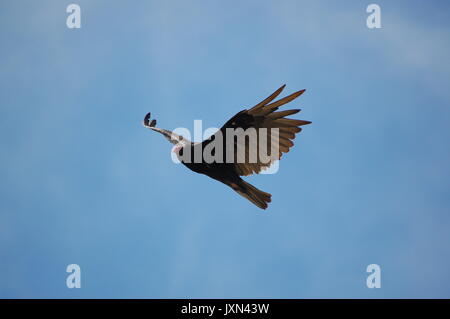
x=178, y=148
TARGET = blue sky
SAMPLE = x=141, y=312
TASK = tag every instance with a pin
x=83, y=182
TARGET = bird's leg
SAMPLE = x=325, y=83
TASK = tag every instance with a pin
x=147, y=122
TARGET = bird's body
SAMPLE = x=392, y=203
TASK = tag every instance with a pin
x=212, y=157
x=226, y=173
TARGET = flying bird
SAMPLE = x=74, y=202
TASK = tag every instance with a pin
x=273, y=131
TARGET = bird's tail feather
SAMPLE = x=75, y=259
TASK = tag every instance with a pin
x=256, y=196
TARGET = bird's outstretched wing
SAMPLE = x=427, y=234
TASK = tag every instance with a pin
x=172, y=137
x=263, y=116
